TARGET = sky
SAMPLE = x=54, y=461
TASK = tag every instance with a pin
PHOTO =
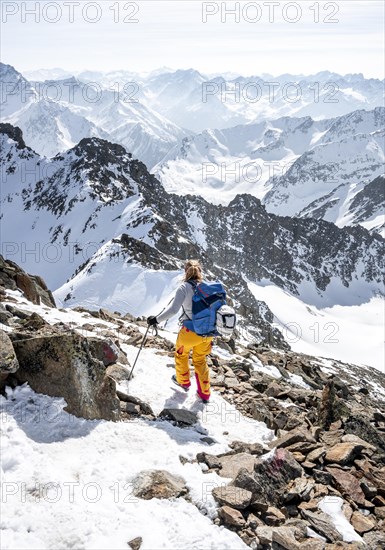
x=301, y=37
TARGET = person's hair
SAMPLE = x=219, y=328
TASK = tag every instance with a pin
x=193, y=271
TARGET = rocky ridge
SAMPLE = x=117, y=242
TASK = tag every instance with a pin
x=328, y=419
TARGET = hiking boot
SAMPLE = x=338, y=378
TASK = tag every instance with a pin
x=203, y=398
x=184, y=387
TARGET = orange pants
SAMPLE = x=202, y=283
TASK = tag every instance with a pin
x=201, y=346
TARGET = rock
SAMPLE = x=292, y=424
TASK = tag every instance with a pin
x=316, y=455
x=343, y=453
x=322, y=524
x=254, y=521
x=274, y=517
x=265, y=535
x=284, y=536
x=331, y=438
x=362, y=524
x=299, y=489
x=232, y=517
x=232, y=496
x=379, y=512
x=119, y=373
x=129, y=408
x=25, y=284
x=375, y=540
x=136, y=543
x=327, y=409
x=5, y=316
x=209, y=440
x=274, y=473
x=231, y=464
x=360, y=426
x=180, y=416
x=144, y=407
x=311, y=505
x=295, y=436
x=63, y=366
x=320, y=476
x=369, y=490
x=108, y=351
x=160, y=484
x=245, y=480
x=347, y=485
x=35, y=322
x=250, y=448
x=212, y=461
x=350, y=438
x=8, y=359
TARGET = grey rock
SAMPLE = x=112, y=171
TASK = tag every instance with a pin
x=135, y=543
x=231, y=464
x=8, y=359
x=180, y=416
x=160, y=484
x=232, y=496
x=322, y=524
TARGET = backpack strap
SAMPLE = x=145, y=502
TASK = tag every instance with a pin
x=194, y=285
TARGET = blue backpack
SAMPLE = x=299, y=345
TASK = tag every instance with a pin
x=208, y=298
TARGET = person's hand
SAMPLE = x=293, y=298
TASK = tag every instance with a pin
x=152, y=320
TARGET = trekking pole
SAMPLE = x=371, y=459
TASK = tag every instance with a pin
x=140, y=349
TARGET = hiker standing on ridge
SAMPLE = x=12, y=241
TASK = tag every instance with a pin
x=187, y=339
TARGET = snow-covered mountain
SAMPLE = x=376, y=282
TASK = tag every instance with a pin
x=296, y=166
x=50, y=127
x=57, y=114
x=220, y=102
x=94, y=205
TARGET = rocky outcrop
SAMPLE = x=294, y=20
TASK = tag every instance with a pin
x=64, y=366
x=33, y=287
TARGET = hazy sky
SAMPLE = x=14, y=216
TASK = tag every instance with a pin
x=79, y=35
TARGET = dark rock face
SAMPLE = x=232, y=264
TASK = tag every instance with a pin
x=63, y=366
x=369, y=200
x=14, y=133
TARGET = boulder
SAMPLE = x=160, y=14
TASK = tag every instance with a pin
x=322, y=524
x=8, y=359
x=273, y=516
x=235, y=497
x=273, y=474
x=231, y=464
x=343, y=453
x=284, y=536
x=180, y=416
x=160, y=484
x=362, y=524
x=294, y=436
x=347, y=485
x=232, y=517
x=63, y=366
